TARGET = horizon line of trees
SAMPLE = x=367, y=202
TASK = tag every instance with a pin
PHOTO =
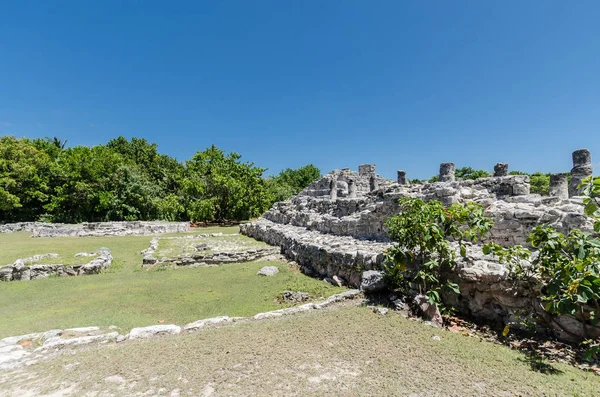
x=43, y=180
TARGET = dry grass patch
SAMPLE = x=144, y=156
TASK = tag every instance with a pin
x=337, y=352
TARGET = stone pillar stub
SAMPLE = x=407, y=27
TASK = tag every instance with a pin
x=501, y=169
x=333, y=189
x=366, y=170
x=447, y=172
x=373, y=184
x=582, y=168
x=351, y=188
x=559, y=185
x=401, y=177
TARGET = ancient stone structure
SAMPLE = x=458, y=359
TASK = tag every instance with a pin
x=582, y=168
x=401, y=177
x=447, y=172
x=373, y=185
x=501, y=169
x=559, y=185
x=20, y=271
x=18, y=227
x=225, y=253
x=108, y=229
x=351, y=188
x=348, y=237
x=333, y=190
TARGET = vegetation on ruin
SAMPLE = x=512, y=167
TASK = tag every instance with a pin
x=566, y=268
x=540, y=182
x=42, y=180
x=422, y=257
x=128, y=296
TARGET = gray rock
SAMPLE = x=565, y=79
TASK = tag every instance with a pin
x=268, y=271
x=294, y=296
x=429, y=311
x=373, y=281
x=154, y=330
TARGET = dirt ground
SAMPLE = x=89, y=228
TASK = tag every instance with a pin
x=342, y=351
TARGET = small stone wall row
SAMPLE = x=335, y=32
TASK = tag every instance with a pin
x=206, y=259
x=19, y=271
x=96, y=229
x=14, y=353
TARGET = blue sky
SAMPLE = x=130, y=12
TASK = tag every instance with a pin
x=403, y=84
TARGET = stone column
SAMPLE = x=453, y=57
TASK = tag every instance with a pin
x=366, y=170
x=447, y=172
x=373, y=184
x=333, y=189
x=501, y=169
x=582, y=168
x=559, y=185
x=351, y=188
x=401, y=177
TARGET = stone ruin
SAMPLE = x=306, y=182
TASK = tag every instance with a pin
x=336, y=227
x=206, y=250
x=29, y=269
x=96, y=229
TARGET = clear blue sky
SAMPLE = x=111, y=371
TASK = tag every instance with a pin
x=403, y=84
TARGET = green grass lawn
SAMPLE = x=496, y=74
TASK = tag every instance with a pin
x=127, y=296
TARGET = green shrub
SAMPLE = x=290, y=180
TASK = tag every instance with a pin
x=422, y=255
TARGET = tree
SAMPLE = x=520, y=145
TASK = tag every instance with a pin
x=24, y=179
x=290, y=182
x=221, y=187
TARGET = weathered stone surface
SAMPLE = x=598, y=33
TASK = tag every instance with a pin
x=154, y=330
x=268, y=271
x=559, y=185
x=429, y=311
x=582, y=168
x=373, y=281
x=20, y=272
x=401, y=177
x=107, y=229
x=294, y=296
x=197, y=325
x=447, y=172
x=348, y=237
x=501, y=169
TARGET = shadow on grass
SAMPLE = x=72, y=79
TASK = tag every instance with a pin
x=538, y=364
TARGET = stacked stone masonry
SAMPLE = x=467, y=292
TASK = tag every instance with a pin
x=20, y=271
x=346, y=236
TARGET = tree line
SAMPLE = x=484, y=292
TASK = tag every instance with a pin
x=43, y=180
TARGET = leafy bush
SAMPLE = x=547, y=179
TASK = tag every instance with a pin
x=422, y=255
x=567, y=268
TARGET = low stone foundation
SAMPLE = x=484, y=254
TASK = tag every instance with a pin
x=19, y=271
x=97, y=229
x=228, y=252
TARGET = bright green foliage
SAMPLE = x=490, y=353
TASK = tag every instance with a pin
x=464, y=173
x=24, y=179
x=422, y=255
x=540, y=182
x=470, y=173
x=290, y=182
x=221, y=187
x=129, y=180
x=566, y=267
x=591, y=189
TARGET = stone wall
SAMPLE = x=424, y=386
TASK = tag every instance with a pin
x=20, y=271
x=18, y=227
x=108, y=229
x=333, y=234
